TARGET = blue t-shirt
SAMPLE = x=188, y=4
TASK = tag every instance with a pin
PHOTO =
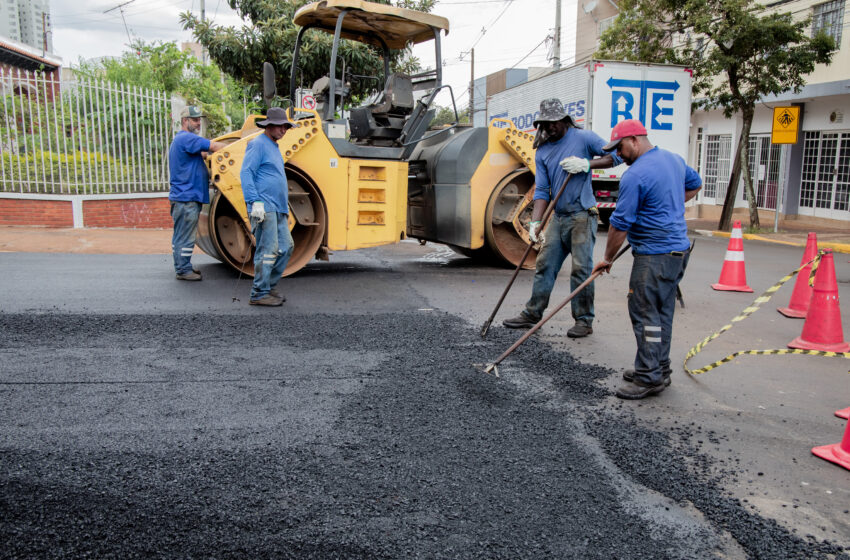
x=190, y=181
x=651, y=205
x=263, y=176
x=550, y=176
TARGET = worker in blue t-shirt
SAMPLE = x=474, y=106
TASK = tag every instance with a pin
x=651, y=215
x=564, y=149
x=190, y=188
x=266, y=194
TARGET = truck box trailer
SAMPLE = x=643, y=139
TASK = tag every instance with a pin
x=598, y=95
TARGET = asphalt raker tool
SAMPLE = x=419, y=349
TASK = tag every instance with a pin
x=543, y=222
x=493, y=367
x=250, y=233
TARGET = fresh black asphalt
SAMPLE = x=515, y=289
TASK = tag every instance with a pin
x=281, y=435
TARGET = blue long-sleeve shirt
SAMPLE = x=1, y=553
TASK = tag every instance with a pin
x=651, y=205
x=550, y=176
x=263, y=176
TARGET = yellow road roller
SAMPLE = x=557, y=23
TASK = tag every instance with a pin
x=375, y=174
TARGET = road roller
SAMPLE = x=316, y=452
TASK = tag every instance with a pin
x=375, y=174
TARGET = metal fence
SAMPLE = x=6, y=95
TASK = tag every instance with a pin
x=81, y=136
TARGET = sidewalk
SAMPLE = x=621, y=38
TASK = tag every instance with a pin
x=158, y=241
x=789, y=234
x=21, y=239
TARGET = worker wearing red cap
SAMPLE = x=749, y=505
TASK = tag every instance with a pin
x=651, y=215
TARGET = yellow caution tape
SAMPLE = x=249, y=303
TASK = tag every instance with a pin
x=763, y=298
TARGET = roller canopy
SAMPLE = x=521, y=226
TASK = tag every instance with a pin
x=366, y=21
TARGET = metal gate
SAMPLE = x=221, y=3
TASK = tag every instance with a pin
x=715, y=167
x=825, y=182
x=764, y=162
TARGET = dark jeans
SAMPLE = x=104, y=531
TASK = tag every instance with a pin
x=185, y=217
x=573, y=234
x=274, y=247
x=652, y=301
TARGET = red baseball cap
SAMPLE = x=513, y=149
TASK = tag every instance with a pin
x=624, y=129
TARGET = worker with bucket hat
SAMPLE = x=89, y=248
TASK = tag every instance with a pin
x=266, y=195
x=651, y=214
x=564, y=148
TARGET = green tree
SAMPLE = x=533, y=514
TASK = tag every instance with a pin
x=163, y=66
x=270, y=37
x=739, y=54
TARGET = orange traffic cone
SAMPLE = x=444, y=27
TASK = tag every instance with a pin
x=843, y=413
x=733, y=275
x=838, y=453
x=802, y=294
x=822, y=329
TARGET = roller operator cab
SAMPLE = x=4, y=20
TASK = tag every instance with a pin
x=378, y=175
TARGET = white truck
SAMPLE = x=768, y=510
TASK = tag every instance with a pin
x=598, y=95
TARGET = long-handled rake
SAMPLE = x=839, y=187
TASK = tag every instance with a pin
x=543, y=222
x=253, y=241
x=493, y=367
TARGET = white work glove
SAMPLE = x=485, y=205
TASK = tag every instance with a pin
x=258, y=211
x=534, y=232
x=574, y=164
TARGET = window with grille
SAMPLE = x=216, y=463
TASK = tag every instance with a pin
x=715, y=175
x=829, y=18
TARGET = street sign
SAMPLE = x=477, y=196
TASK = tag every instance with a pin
x=308, y=102
x=786, y=124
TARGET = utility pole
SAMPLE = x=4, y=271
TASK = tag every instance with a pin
x=43, y=34
x=557, y=47
x=472, y=90
x=120, y=8
x=203, y=19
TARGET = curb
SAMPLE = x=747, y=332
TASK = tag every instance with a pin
x=836, y=247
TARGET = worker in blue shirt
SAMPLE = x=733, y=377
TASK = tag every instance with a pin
x=564, y=149
x=651, y=215
x=190, y=188
x=267, y=197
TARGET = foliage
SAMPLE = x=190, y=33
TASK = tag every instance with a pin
x=446, y=115
x=162, y=66
x=739, y=54
x=48, y=171
x=270, y=37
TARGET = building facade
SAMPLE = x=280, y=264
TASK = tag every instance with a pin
x=808, y=181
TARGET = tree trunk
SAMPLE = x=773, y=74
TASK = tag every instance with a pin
x=745, y=167
x=740, y=168
x=725, y=223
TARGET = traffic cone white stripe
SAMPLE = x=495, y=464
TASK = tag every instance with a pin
x=734, y=256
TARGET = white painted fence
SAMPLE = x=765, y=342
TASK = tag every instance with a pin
x=81, y=136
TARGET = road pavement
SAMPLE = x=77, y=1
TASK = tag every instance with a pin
x=351, y=422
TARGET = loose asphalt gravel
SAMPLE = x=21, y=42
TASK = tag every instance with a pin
x=268, y=435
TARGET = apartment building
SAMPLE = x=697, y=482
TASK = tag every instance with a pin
x=27, y=22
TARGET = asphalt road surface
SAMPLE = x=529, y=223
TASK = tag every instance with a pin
x=146, y=417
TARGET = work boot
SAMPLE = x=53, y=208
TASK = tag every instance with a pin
x=274, y=293
x=579, y=330
x=267, y=301
x=519, y=322
x=629, y=375
x=635, y=390
x=190, y=276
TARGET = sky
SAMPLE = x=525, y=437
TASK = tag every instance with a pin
x=504, y=33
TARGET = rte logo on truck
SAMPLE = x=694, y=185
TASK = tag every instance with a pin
x=652, y=94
